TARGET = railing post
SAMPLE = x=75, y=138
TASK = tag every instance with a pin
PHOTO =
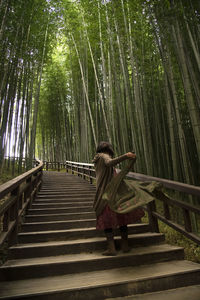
x=38, y=181
x=153, y=222
x=166, y=211
x=6, y=219
x=187, y=220
x=83, y=172
x=14, y=217
x=27, y=194
x=90, y=174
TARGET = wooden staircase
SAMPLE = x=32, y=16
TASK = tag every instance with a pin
x=58, y=255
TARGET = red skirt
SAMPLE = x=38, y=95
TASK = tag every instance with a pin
x=111, y=219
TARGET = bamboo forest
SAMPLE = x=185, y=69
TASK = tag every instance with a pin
x=73, y=73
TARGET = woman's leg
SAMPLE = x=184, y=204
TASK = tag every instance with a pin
x=124, y=238
x=111, y=251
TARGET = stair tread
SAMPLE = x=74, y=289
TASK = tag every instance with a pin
x=80, y=241
x=87, y=280
x=183, y=293
x=57, y=208
x=59, y=222
x=38, y=203
x=64, y=214
x=71, y=230
x=97, y=255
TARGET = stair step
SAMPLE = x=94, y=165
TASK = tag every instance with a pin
x=103, y=284
x=76, y=263
x=58, y=210
x=52, y=204
x=59, y=217
x=52, y=248
x=67, y=191
x=67, y=184
x=191, y=292
x=41, y=226
x=65, y=200
x=69, y=234
x=67, y=196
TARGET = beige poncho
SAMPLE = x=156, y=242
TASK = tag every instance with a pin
x=120, y=194
x=104, y=173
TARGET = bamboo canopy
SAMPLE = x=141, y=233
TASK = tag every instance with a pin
x=73, y=73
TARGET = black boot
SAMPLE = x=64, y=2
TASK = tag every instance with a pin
x=124, y=239
x=111, y=251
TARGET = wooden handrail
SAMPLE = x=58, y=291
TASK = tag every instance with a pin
x=174, y=185
x=87, y=171
x=19, y=193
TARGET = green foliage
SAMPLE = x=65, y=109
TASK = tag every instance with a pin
x=191, y=250
x=110, y=70
x=10, y=170
x=173, y=237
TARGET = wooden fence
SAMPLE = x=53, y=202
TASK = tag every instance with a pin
x=16, y=195
x=87, y=171
x=54, y=165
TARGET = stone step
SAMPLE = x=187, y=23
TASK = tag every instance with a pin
x=59, y=217
x=103, y=284
x=191, y=292
x=52, y=248
x=58, y=210
x=69, y=234
x=76, y=263
x=41, y=226
x=52, y=204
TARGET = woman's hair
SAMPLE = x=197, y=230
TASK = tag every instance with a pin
x=105, y=147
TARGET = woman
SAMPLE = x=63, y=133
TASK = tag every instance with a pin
x=107, y=219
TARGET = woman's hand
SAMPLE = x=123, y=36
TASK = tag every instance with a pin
x=131, y=155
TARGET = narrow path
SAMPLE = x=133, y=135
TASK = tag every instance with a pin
x=58, y=255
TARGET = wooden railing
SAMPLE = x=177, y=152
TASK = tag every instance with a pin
x=87, y=171
x=17, y=195
x=54, y=165
x=84, y=170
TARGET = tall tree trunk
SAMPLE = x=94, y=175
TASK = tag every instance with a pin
x=192, y=107
x=85, y=90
